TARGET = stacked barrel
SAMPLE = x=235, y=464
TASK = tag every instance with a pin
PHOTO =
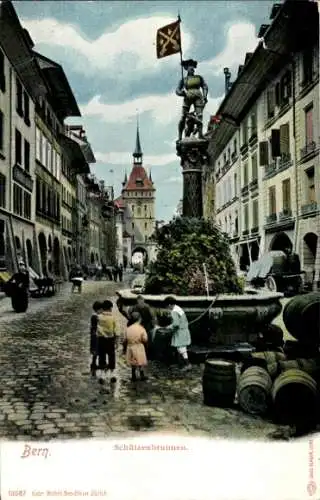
x=284, y=382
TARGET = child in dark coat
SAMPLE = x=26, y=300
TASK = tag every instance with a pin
x=97, y=308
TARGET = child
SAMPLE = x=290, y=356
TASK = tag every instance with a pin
x=107, y=340
x=136, y=338
x=93, y=336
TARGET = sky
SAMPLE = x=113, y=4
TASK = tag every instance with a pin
x=108, y=52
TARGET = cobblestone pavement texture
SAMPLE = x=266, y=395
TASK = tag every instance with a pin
x=47, y=391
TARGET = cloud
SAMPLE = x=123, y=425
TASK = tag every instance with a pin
x=174, y=179
x=164, y=108
x=122, y=158
x=135, y=38
x=241, y=38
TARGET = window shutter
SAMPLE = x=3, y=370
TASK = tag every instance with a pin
x=289, y=83
x=270, y=102
x=2, y=75
x=275, y=143
x=277, y=94
x=284, y=139
x=263, y=153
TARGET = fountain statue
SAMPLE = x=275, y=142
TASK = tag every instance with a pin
x=192, y=147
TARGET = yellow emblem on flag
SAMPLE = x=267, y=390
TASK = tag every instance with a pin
x=168, y=40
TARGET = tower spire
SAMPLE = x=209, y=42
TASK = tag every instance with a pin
x=137, y=154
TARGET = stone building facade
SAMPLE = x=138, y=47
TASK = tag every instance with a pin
x=264, y=155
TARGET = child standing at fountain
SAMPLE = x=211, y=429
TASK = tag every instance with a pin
x=136, y=338
x=97, y=308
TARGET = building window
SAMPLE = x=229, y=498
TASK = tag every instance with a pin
x=145, y=225
x=17, y=200
x=307, y=66
x=2, y=73
x=286, y=195
x=235, y=183
x=255, y=214
x=235, y=146
x=26, y=156
x=145, y=208
x=38, y=145
x=310, y=185
x=139, y=212
x=26, y=109
x=271, y=104
x=18, y=148
x=246, y=217
x=1, y=129
x=49, y=157
x=254, y=165
x=309, y=124
x=285, y=141
x=2, y=191
x=253, y=131
x=245, y=174
x=236, y=223
x=38, y=195
x=272, y=200
x=19, y=103
x=27, y=205
x=133, y=225
x=59, y=167
x=244, y=132
x=44, y=150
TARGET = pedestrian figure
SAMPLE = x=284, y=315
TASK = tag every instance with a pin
x=135, y=339
x=97, y=309
x=107, y=340
x=120, y=272
x=77, y=280
x=18, y=289
x=115, y=273
x=179, y=328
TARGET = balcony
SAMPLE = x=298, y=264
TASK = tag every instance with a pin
x=309, y=208
x=285, y=214
x=254, y=230
x=271, y=170
x=253, y=184
x=245, y=190
x=284, y=162
x=245, y=232
x=244, y=149
x=308, y=151
x=253, y=139
x=234, y=156
x=271, y=219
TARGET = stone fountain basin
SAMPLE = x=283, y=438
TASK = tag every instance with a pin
x=222, y=319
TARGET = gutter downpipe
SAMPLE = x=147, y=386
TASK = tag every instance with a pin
x=294, y=120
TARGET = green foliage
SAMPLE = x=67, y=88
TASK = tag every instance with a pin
x=184, y=246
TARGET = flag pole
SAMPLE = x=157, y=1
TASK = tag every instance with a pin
x=179, y=20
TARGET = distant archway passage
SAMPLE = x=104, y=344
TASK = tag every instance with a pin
x=56, y=257
x=144, y=253
x=281, y=241
x=43, y=251
x=310, y=242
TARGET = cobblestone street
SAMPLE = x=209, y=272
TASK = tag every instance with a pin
x=47, y=391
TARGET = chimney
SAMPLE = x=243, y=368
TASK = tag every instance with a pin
x=227, y=76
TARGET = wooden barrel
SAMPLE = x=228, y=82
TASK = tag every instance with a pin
x=267, y=360
x=310, y=366
x=294, y=395
x=272, y=335
x=219, y=383
x=269, y=356
x=294, y=349
x=301, y=317
x=254, y=390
